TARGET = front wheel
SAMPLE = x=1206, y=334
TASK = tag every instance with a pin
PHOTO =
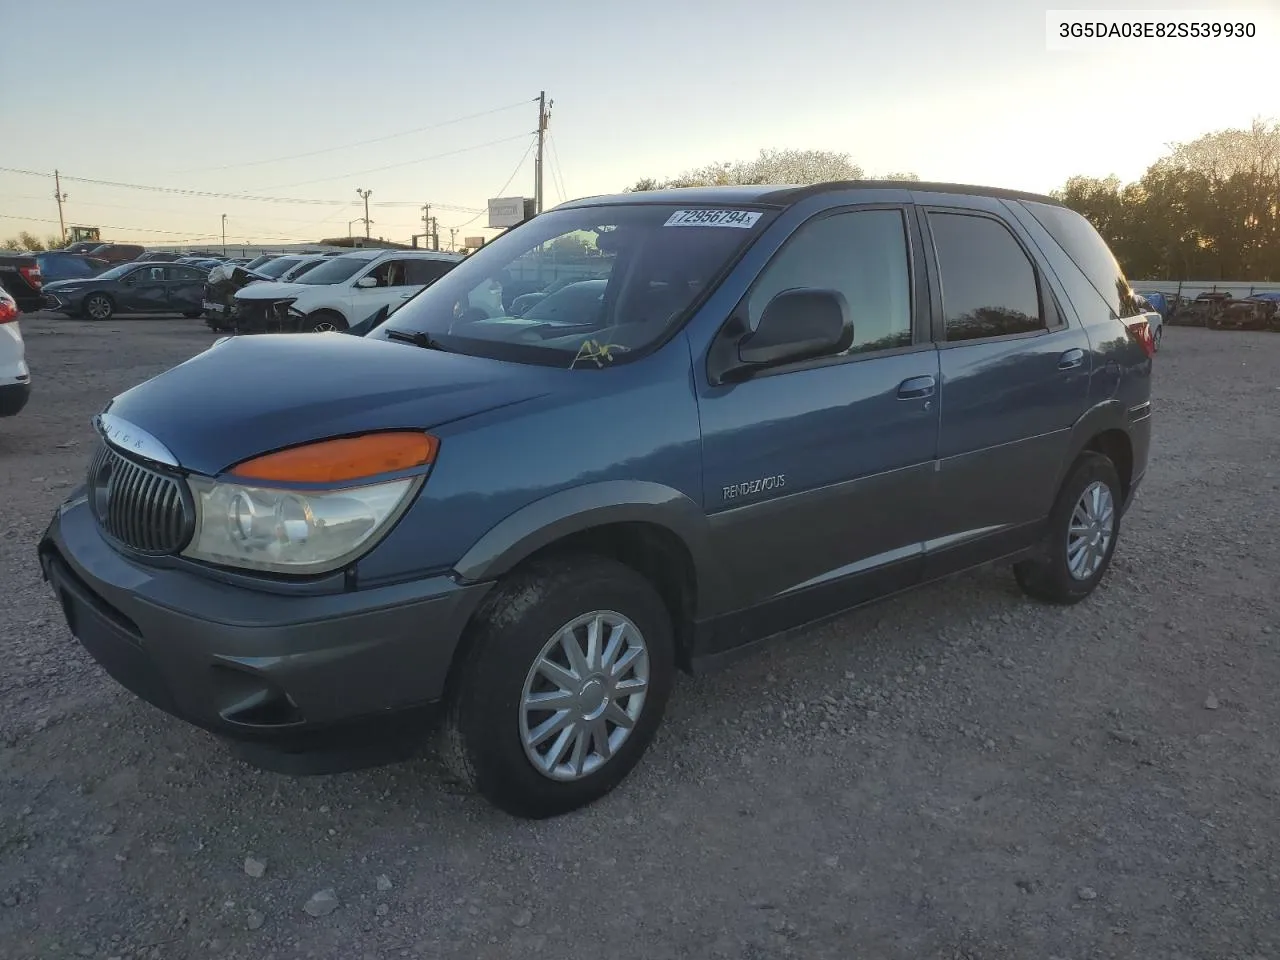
x=324, y=321
x=1083, y=527
x=562, y=686
x=98, y=306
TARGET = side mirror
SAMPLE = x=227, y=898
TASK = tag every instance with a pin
x=801, y=324
x=364, y=283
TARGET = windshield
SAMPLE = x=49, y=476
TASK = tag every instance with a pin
x=650, y=263
x=277, y=267
x=305, y=266
x=333, y=270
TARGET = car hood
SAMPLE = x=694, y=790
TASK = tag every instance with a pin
x=53, y=286
x=270, y=290
x=251, y=395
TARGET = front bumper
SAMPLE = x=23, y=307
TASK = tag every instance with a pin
x=64, y=303
x=304, y=682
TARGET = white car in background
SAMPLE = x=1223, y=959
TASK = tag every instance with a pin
x=1155, y=322
x=15, y=378
x=342, y=291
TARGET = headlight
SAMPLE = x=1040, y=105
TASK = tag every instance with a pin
x=292, y=531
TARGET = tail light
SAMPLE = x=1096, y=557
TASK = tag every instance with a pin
x=1140, y=330
x=8, y=310
x=32, y=276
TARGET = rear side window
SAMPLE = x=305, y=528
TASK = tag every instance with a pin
x=863, y=254
x=1086, y=248
x=424, y=272
x=988, y=283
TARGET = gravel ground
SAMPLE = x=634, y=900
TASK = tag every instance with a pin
x=957, y=773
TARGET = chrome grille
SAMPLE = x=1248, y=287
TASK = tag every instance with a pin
x=149, y=511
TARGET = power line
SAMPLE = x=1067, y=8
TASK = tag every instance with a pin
x=358, y=143
x=393, y=166
x=556, y=170
x=503, y=188
x=173, y=233
x=227, y=196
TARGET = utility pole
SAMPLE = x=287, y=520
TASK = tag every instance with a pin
x=59, y=196
x=224, y=234
x=426, y=220
x=544, y=114
x=364, y=194
x=435, y=235
x=453, y=232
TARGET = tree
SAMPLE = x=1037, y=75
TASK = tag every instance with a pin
x=570, y=245
x=771, y=167
x=1208, y=210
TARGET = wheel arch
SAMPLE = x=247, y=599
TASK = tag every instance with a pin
x=651, y=528
x=1104, y=429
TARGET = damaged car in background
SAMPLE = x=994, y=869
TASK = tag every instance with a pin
x=340, y=292
x=226, y=280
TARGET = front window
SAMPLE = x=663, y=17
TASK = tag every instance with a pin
x=115, y=273
x=334, y=270
x=642, y=267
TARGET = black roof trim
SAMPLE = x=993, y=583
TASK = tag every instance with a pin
x=789, y=195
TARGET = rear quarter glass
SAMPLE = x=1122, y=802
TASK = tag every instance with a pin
x=1089, y=252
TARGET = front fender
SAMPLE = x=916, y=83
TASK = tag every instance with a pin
x=578, y=509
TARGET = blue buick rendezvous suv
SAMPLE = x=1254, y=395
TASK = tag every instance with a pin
x=772, y=404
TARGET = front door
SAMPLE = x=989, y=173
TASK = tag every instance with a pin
x=1015, y=378
x=391, y=288
x=817, y=476
x=186, y=288
x=145, y=290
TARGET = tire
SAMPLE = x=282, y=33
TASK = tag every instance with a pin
x=1048, y=576
x=324, y=321
x=484, y=733
x=192, y=314
x=1158, y=337
x=99, y=307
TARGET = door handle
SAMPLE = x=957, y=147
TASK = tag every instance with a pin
x=915, y=388
x=1071, y=359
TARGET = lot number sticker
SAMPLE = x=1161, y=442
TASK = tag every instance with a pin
x=742, y=219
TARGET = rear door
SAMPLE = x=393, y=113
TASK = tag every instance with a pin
x=186, y=287
x=145, y=290
x=1015, y=378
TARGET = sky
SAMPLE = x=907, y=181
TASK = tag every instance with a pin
x=277, y=100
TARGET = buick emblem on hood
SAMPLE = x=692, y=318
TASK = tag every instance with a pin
x=129, y=438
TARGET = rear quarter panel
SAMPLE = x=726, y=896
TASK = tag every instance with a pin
x=1120, y=385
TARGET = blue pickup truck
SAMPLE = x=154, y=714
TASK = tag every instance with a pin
x=775, y=404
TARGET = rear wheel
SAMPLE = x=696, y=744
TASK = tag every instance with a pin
x=98, y=306
x=191, y=314
x=562, y=686
x=1159, y=336
x=1083, y=528
x=324, y=321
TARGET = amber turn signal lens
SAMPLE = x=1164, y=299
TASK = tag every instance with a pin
x=350, y=458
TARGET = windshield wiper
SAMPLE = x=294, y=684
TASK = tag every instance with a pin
x=417, y=338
